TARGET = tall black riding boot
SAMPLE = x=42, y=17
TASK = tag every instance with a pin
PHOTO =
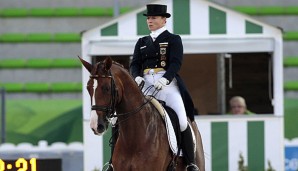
x=188, y=150
x=112, y=145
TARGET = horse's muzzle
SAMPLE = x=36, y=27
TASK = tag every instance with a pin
x=101, y=128
x=98, y=123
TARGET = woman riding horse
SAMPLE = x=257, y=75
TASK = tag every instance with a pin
x=142, y=143
x=156, y=61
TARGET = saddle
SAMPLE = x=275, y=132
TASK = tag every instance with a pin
x=171, y=122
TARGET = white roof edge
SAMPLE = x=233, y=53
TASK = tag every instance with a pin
x=191, y=46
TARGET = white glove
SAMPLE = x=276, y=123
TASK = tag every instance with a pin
x=139, y=80
x=161, y=83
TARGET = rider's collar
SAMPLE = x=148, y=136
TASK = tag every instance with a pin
x=156, y=33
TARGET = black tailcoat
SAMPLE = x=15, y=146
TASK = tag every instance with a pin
x=149, y=54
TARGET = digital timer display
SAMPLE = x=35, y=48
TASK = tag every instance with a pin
x=32, y=164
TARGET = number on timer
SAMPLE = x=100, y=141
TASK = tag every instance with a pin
x=2, y=165
x=33, y=164
x=22, y=164
x=25, y=164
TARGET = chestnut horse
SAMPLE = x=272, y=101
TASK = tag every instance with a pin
x=142, y=143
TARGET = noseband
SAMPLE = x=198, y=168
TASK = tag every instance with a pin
x=109, y=110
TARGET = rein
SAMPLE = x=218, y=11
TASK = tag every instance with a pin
x=110, y=109
x=135, y=110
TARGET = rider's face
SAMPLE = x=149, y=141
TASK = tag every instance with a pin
x=155, y=22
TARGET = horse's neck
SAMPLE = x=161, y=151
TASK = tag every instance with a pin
x=131, y=99
x=132, y=106
x=137, y=116
x=137, y=123
x=141, y=127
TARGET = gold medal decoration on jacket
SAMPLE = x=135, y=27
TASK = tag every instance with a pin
x=163, y=52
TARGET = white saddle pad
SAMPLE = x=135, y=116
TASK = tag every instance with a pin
x=169, y=127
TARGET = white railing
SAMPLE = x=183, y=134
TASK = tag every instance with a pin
x=293, y=142
x=41, y=146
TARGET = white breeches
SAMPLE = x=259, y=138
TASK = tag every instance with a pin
x=170, y=94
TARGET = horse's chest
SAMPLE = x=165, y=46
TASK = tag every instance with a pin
x=145, y=160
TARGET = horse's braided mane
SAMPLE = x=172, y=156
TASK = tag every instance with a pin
x=113, y=62
x=116, y=63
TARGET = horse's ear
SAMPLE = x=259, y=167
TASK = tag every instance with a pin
x=86, y=64
x=108, y=63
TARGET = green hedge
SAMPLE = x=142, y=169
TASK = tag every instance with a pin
x=268, y=10
x=39, y=37
x=42, y=87
x=77, y=87
x=60, y=12
x=291, y=35
x=291, y=85
x=100, y=11
x=291, y=61
x=40, y=63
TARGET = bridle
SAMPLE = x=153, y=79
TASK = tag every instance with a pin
x=110, y=109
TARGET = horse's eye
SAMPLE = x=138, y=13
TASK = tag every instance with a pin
x=89, y=86
x=105, y=89
x=90, y=83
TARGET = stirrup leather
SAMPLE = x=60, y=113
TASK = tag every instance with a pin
x=193, y=165
x=109, y=166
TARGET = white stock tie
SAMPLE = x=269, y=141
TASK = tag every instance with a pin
x=153, y=35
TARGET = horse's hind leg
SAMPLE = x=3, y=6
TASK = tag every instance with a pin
x=199, y=155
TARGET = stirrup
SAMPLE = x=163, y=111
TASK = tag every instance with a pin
x=195, y=167
x=109, y=167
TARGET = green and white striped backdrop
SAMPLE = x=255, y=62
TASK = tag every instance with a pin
x=198, y=18
x=258, y=138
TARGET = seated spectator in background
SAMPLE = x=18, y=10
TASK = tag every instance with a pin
x=238, y=106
